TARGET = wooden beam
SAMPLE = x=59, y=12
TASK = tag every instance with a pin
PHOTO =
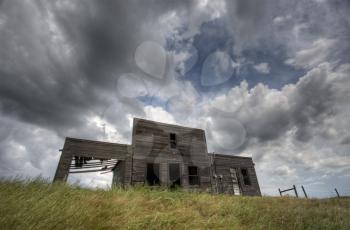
x=92, y=166
x=89, y=171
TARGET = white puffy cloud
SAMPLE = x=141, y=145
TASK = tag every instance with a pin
x=314, y=55
x=91, y=180
x=27, y=150
x=158, y=114
x=203, y=11
x=293, y=134
x=262, y=67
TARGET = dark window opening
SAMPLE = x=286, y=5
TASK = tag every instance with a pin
x=245, y=175
x=172, y=140
x=174, y=175
x=153, y=174
x=193, y=177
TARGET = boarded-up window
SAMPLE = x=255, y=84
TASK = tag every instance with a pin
x=193, y=175
x=245, y=175
x=153, y=174
x=173, y=140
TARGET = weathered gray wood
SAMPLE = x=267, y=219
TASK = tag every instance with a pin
x=87, y=148
x=119, y=174
x=221, y=166
x=151, y=144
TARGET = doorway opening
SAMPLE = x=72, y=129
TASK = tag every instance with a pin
x=174, y=175
x=153, y=174
x=193, y=175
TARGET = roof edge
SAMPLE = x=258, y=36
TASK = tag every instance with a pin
x=166, y=124
x=227, y=155
x=94, y=141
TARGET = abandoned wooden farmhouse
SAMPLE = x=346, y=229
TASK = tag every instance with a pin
x=161, y=154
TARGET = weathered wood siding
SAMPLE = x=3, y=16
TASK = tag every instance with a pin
x=221, y=165
x=119, y=174
x=87, y=148
x=151, y=144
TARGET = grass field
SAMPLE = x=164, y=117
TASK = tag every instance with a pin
x=41, y=205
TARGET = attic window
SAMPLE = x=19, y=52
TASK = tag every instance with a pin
x=173, y=140
x=245, y=175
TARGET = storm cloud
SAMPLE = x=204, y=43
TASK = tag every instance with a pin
x=85, y=69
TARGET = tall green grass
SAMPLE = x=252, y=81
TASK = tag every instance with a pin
x=41, y=205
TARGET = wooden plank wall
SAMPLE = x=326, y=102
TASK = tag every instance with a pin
x=221, y=166
x=119, y=174
x=87, y=148
x=151, y=144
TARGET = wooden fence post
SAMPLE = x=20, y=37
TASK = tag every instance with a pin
x=295, y=190
x=336, y=191
x=279, y=190
x=302, y=187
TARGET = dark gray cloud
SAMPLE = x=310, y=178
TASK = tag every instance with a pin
x=293, y=25
x=59, y=66
x=61, y=60
x=345, y=141
x=39, y=85
x=315, y=100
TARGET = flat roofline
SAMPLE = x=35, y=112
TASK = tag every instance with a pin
x=166, y=124
x=227, y=155
x=93, y=141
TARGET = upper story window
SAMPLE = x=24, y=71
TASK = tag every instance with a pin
x=245, y=174
x=173, y=140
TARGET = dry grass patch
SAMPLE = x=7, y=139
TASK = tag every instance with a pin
x=41, y=205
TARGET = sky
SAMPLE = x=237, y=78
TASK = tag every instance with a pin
x=267, y=79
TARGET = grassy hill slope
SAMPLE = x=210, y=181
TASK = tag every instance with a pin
x=40, y=205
